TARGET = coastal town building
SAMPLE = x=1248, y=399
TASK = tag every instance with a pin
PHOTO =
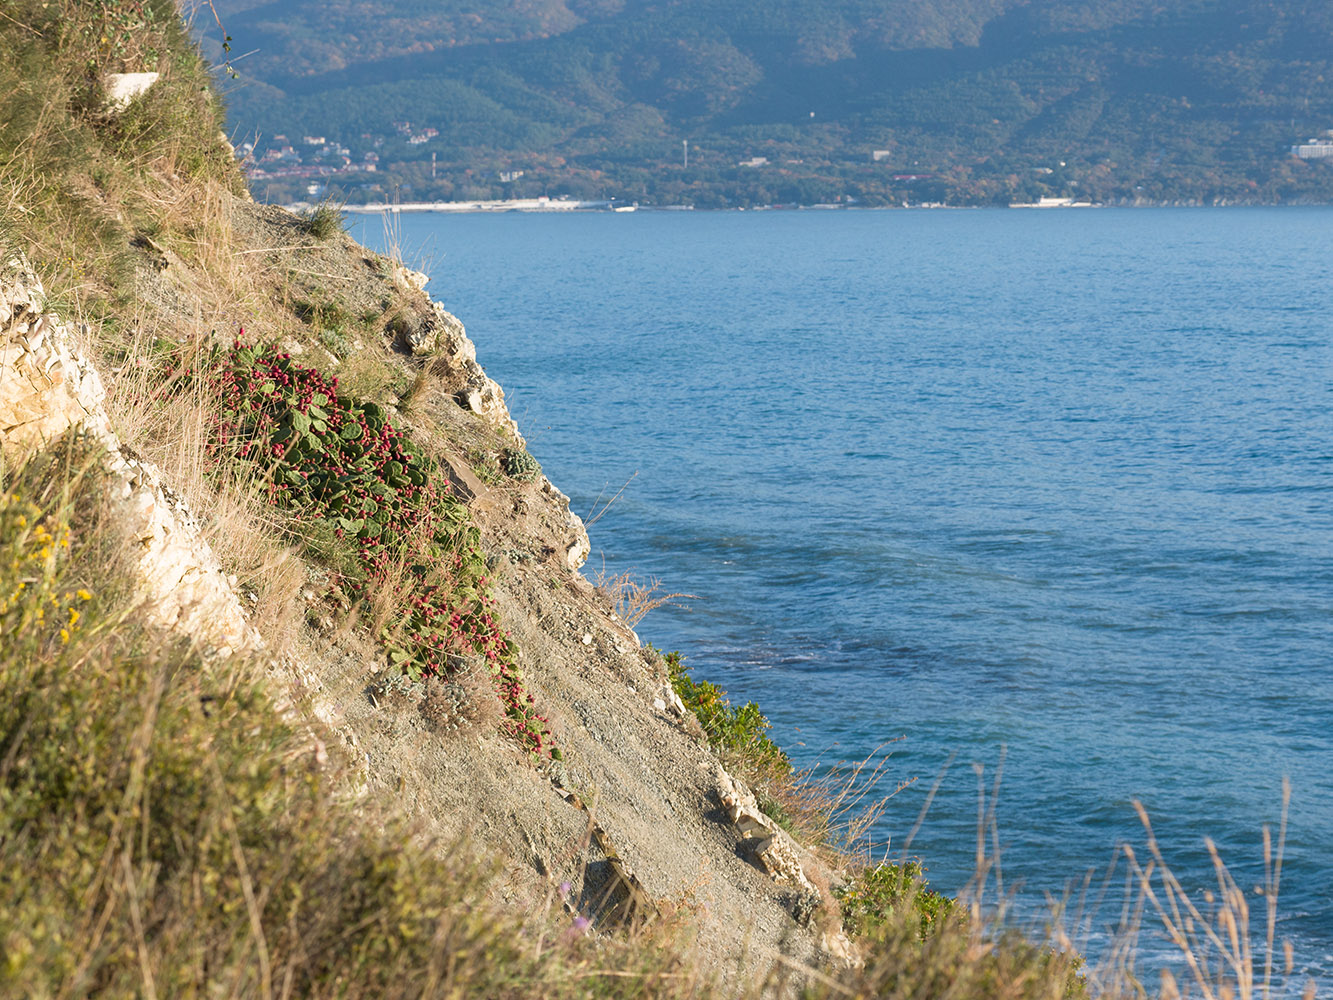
x=1320, y=148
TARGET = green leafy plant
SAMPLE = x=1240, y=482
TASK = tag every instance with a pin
x=886, y=891
x=519, y=464
x=336, y=342
x=339, y=460
x=742, y=732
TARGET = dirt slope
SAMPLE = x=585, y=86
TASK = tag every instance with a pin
x=637, y=780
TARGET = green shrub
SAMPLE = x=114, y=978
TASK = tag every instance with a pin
x=338, y=460
x=324, y=221
x=519, y=464
x=888, y=891
x=741, y=733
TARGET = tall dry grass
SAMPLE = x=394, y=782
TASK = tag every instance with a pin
x=162, y=411
x=633, y=598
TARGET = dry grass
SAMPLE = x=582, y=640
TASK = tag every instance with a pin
x=463, y=703
x=368, y=374
x=1214, y=930
x=78, y=182
x=188, y=840
x=834, y=808
x=168, y=419
x=632, y=599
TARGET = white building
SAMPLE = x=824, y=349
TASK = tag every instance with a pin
x=1315, y=149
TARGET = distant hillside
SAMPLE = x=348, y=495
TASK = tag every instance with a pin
x=881, y=101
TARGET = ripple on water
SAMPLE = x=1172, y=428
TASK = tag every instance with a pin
x=973, y=479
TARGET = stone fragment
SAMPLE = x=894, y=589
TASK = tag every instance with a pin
x=122, y=88
x=409, y=280
x=666, y=700
x=836, y=943
x=777, y=856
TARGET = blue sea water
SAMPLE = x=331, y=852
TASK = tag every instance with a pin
x=1047, y=488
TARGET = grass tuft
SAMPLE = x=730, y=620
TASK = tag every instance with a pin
x=325, y=221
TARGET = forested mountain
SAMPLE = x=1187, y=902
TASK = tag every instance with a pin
x=968, y=101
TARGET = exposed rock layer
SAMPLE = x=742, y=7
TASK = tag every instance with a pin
x=47, y=388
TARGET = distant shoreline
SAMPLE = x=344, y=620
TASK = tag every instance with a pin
x=510, y=205
x=555, y=206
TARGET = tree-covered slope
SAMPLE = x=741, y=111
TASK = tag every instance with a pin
x=988, y=99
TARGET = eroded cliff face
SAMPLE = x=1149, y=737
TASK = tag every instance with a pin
x=636, y=819
x=48, y=387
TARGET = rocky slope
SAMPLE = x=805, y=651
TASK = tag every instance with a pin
x=637, y=819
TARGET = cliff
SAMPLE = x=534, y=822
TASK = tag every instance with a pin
x=634, y=811
x=305, y=693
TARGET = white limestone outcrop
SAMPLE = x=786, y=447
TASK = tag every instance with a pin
x=47, y=387
x=122, y=88
x=779, y=855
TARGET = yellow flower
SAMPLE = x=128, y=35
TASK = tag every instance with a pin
x=84, y=595
x=64, y=635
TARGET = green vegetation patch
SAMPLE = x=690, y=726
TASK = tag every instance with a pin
x=324, y=221
x=891, y=892
x=519, y=464
x=737, y=732
x=165, y=831
x=340, y=461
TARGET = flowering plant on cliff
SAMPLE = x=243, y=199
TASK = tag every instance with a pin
x=331, y=457
x=30, y=547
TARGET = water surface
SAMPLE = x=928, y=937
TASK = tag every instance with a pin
x=1047, y=486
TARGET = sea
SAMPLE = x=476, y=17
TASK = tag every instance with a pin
x=1037, y=503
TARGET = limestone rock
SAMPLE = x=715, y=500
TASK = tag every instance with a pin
x=836, y=942
x=577, y=545
x=666, y=700
x=409, y=280
x=122, y=88
x=47, y=387
x=777, y=854
x=439, y=334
